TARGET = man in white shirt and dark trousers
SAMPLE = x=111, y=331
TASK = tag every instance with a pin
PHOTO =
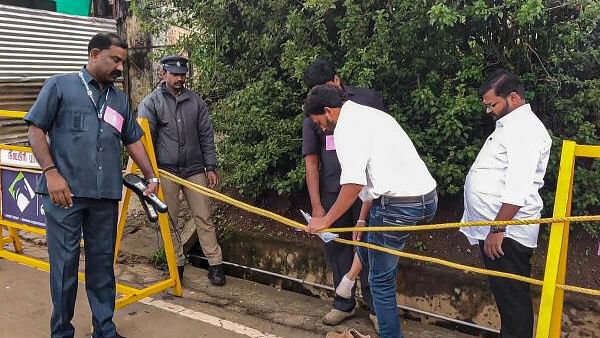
x=380, y=165
x=502, y=185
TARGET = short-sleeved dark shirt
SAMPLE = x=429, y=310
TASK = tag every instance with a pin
x=313, y=139
x=85, y=149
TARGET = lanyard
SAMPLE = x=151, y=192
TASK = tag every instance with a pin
x=89, y=94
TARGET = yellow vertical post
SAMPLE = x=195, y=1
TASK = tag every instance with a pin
x=2, y=239
x=13, y=237
x=163, y=219
x=123, y=208
x=550, y=314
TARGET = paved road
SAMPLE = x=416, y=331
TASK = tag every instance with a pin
x=240, y=309
x=25, y=312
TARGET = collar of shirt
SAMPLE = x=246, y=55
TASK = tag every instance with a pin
x=514, y=116
x=91, y=80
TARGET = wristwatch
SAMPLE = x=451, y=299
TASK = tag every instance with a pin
x=154, y=180
x=495, y=229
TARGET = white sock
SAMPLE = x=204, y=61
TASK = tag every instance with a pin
x=344, y=289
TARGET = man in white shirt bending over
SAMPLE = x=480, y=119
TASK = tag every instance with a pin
x=502, y=185
x=380, y=165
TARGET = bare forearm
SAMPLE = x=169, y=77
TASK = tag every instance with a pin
x=364, y=210
x=344, y=201
x=507, y=212
x=312, y=180
x=39, y=146
x=138, y=153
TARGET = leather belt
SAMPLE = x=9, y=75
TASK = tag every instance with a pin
x=405, y=199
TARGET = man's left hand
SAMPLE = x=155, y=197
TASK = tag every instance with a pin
x=493, y=245
x=152, y=188
x=317, y=224
x=212, y=179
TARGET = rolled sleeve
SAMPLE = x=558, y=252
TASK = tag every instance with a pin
x=132, y=131
x=44, y=109
x=522, y=164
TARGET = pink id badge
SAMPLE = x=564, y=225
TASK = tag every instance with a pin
x=113, y=118
x=329, y=142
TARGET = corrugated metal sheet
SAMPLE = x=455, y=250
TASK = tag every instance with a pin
x=35, y=45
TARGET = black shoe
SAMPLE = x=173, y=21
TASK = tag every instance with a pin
x=216, y=274
x=180, y=272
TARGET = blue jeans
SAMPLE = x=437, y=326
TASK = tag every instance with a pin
x=384, y=267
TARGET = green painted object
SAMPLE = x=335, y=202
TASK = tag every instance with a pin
x=74, y=7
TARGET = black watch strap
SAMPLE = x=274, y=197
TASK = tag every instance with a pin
x=496, y=229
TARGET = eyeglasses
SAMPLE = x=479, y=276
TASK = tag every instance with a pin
x=490, y=106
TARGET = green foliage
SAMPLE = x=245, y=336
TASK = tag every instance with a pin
x=426, y=57
x=159, y=259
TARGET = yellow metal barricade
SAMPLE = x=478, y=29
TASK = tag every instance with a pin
x=128, y=294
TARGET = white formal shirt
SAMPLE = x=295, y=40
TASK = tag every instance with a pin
x=509, y=169
x=374, y=151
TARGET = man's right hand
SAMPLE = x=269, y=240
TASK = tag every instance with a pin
x=58, y=188
x=318, y=211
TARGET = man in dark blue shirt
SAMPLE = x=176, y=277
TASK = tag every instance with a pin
x=323, y=181
x=86, y=119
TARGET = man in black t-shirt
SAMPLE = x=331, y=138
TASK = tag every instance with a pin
x=323, y=180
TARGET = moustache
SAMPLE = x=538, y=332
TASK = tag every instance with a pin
x=116, y=73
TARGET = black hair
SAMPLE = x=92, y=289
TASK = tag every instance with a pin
x=319, y=72
x=105, y=40
x=503, y=82
x=321, y=96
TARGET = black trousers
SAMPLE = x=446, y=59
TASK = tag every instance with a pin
x=513, y=298
x=339, y=256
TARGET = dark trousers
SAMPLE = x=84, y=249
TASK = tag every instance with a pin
x=339, y=256
x=513, y=298
x=98, y=221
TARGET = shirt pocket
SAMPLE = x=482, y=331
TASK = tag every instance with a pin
x=76, y=119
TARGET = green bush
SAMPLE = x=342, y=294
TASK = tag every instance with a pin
x=426, y=57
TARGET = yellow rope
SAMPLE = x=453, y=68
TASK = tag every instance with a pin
x=232, y=201
x=442, y=262
x=466, y=268
x=578, y=289
x=468, y=224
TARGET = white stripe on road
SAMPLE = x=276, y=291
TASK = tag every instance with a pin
x=205, y=318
